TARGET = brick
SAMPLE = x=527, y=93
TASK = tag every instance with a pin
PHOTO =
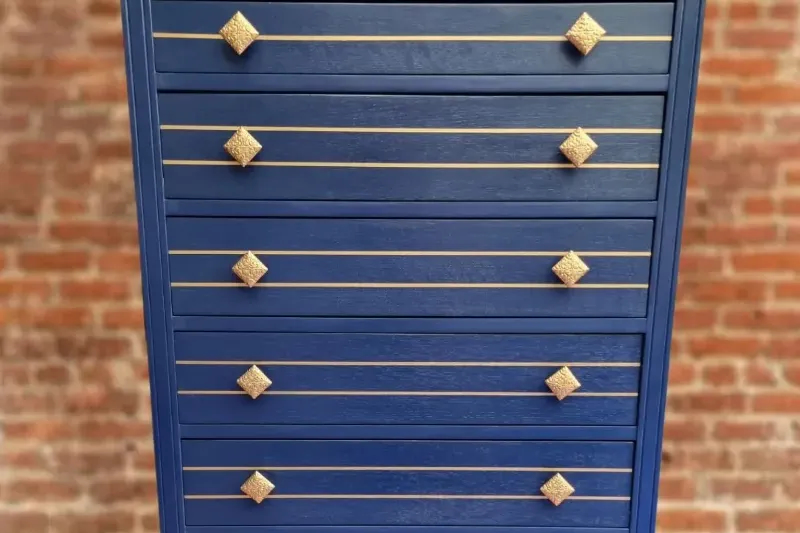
x=728, y=430
x=708, y=402
x=24, y=521
x=776, y=94
x=720, y=375
x=95, y=290
x=732, y=66
x=54, y=261
x=739, y=489
x=769, y=521
x=53, y=490
x=779, y=402
x=711, y=346
x=103, y=233
x=676, y=488
x=760, y=39
x=124, y=319
x=99, y=521
x=740, y=11
x=685, y=430
x=684, y=520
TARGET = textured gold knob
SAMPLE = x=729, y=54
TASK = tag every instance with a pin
x=257, y=487
x=239, y=33
x=557, y=489
x=585, y=33
x=563, y=383
x=578, y=147
x=249, y=269
x=242, y=146
x=570, y=269
x=254, y=382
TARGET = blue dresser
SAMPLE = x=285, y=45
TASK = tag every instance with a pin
x=409, y=267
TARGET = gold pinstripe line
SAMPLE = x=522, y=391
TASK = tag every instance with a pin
x=465, y=131
x=408, y=393
x=222, y=285
x=409, y=253
x=400, y=497
x=413, y=38
x=344, y=164
x=404, y=469
x=409, y=363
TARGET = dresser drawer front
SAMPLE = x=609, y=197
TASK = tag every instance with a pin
x=386, y=38
x=407, y=483
x=371, y=267
x=334, y=378
x=363, y=147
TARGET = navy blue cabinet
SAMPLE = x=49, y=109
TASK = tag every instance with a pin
x=409, y=264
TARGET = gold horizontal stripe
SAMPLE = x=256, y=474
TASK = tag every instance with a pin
x=502, y=131
x=401, y=497
x=404, y=469
x=413, y=38
x=221, y=285
x=409, y=363
x=407, y=253
x=408, y=393
x=343, y=164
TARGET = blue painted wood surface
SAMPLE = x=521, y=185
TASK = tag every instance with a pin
x=409, y=57
x=205, y=346
x=406, y=431
x=399, y=84
x=409, y=512
x=351, y=111
x=403, y=409
x=335, y=457
x=189, y=233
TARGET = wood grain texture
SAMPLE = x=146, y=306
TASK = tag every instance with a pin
x=378, y=348
x=338, y=55
x=420, y=114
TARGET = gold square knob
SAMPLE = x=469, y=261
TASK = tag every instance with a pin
x=557, y=489
x=563, y=383
x=570, y=269
x=578, y=147
x=239, y=33
x=585, y=33
x=249, y=269
x=257, y=487
x=254, y=382
x=242, y=146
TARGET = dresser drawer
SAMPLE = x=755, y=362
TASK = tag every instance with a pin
x=389, y=38
x=457, y=483
x=368, y=147
x=337, y=378
x=376, y=267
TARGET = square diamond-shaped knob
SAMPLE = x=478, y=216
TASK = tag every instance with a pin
x=570, y=269
x=578, y=147
x=239, y=33
x=563, y=383
x=242, y=146
x=257, y=487
x=557, y=489
x=585, y=33
x=249, y=269
x=254, y=382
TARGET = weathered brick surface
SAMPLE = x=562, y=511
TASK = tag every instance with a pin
x=76, y=452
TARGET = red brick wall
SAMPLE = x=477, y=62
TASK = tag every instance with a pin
x=75, y=454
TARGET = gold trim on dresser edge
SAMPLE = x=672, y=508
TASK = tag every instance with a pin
x=459, y=131
x=345, y=164
x=416, y=38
